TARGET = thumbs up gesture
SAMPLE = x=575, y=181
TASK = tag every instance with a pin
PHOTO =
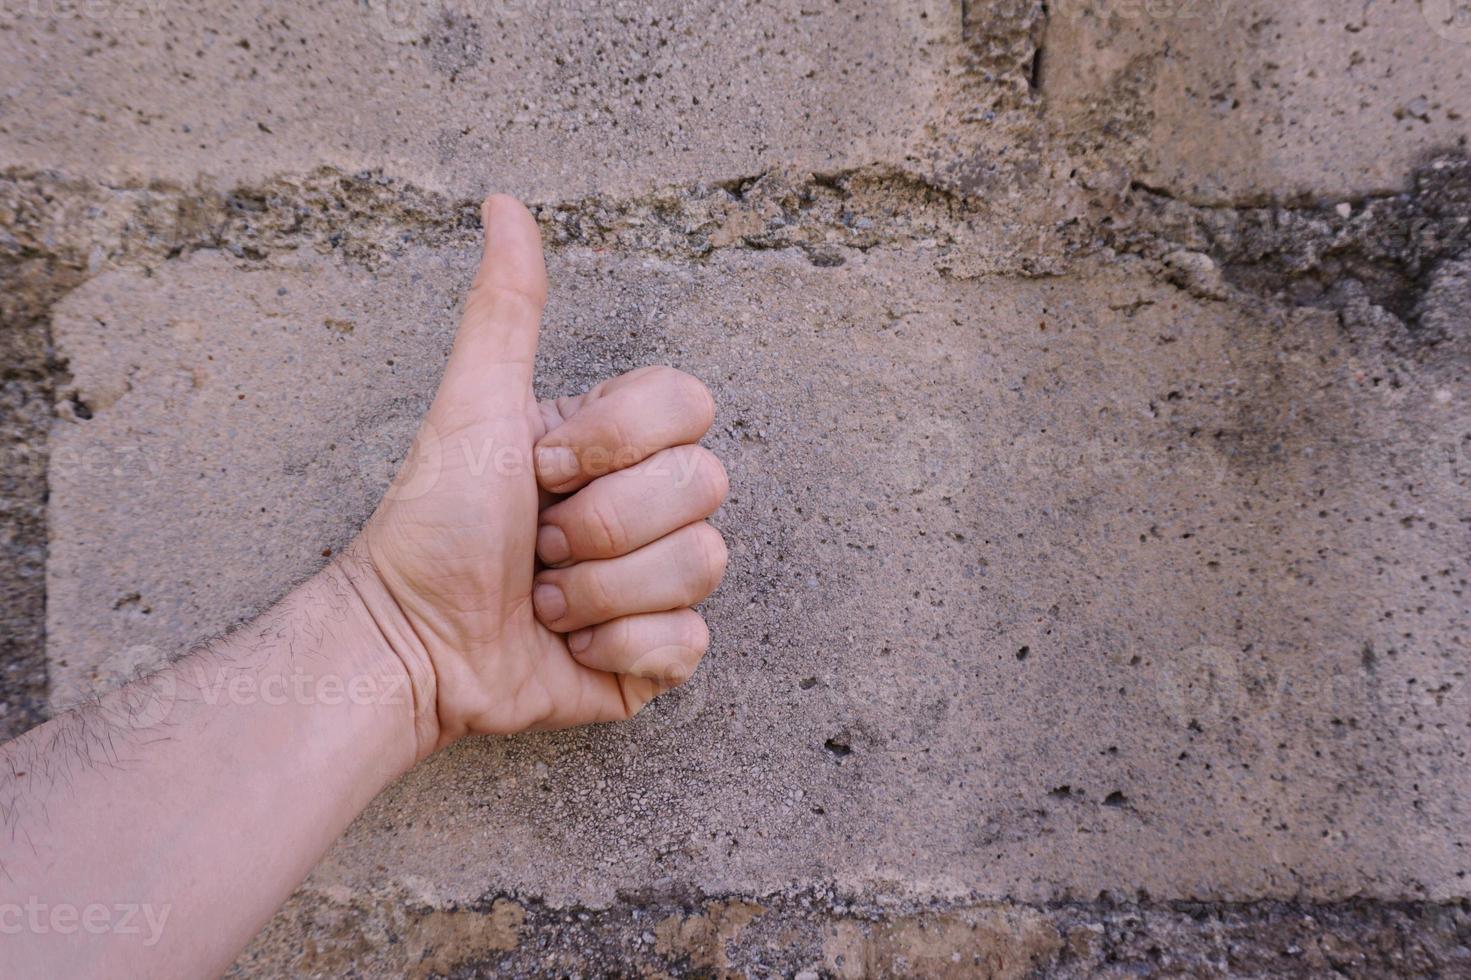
x=534, y=563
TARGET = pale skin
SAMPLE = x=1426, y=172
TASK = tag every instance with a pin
x=533, y=566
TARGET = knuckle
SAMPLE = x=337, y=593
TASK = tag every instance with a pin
x=670, y=665
x=697, y=636
x=599, y=446
x=620, y=635
x=690, y=394
x=595, y=600
x=712, y=477
x=713, y=555
x=495, y=299
x=664, y=374
x=637, y=692
x=604, y=529
x=609, y=446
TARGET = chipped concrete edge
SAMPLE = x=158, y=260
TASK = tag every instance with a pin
x=813, y=933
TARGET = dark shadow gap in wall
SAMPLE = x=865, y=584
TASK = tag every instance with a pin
x=1034, y=73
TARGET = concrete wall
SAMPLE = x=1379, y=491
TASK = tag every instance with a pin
x=1092, y=381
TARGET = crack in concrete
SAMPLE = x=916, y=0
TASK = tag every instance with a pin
x=789, y=933
x=1034, y=70
x=369, y=215
x=1376, y=258
x=35, y=279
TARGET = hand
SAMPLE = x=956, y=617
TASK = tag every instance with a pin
x=611, y=511
x=218, y=811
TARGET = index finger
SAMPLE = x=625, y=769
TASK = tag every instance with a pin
x=619, y=423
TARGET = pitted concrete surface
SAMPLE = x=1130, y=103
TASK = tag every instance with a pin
x=1039, y=588
x=1093, y=389
x=1244, y=101
x=539, y=99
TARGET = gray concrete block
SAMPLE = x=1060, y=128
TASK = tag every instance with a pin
x=1038, y=587
x=1250, y=101
x=544, y=100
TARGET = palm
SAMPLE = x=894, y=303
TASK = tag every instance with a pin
x=458, y=536
x=456, y=539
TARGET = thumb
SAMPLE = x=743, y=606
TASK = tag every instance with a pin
x=489, y=370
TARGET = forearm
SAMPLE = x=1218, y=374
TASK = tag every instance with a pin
x=192, y=802
x=202, y=796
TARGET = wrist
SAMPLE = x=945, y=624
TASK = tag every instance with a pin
x=383, y=646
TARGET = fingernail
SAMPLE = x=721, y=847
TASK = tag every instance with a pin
x=552, y=545
x=578, y=641
x=555, y=465
x=550, y=603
